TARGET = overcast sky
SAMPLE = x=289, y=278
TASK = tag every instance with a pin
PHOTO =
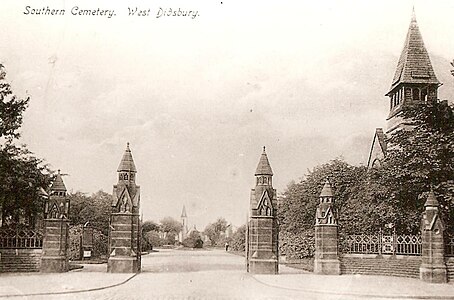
x=198, y=98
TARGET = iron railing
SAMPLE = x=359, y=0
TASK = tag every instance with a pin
x=449, y=246
x=20, y=239
x=405, y=244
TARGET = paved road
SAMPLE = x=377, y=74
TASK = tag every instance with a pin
x=199, y=274
x=211, y=274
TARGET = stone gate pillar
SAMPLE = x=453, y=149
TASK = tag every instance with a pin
x=262, y=234
x=326, y=236
x=433, y=267
x=124, y=231
x=56, y=229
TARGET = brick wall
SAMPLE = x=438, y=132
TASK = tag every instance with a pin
x=387, y=265
x=20, y=260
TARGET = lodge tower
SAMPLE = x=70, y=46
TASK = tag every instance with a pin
x=414, y=82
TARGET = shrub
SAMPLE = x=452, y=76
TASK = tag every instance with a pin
x=238, y=241
x=297, y=245
x=193, y=241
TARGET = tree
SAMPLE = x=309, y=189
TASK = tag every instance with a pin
x=150, y=235
x=94, y=209
x=214, y=230
x=150, y=226
x=171, y=229
x=194, y=240
x=238, y=241
x=11, y=109
x=23, y=176
x=421, y=157
x=298, y=203
x=170, y=225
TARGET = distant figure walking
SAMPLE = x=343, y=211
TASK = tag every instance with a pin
x=226, y=246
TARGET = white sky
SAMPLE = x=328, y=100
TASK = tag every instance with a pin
x=198, y=98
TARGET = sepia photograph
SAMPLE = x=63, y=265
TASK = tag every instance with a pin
x=226, y=149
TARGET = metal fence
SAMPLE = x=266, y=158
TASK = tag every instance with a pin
x=20, y=239
x=405, y=244
x=449, y=246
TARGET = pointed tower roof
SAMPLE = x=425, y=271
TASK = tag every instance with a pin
x=327, y=190
x=183, y=213
x=414, y=64
x=263, y=168
x=127, y=163
x=58, y=184
x=431, y=199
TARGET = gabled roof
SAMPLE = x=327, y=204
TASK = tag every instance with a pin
x=414, y=64
x=263, y=168
x=327, y=190
x=381, y=138
x=265, y=198
x=119, y=195
x=127, y=163
x=378, y=141
x=58, y=184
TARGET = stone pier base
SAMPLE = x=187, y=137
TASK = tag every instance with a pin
x=56, y=264
x=433, y=273
x=55, y=246
x=327, y=266
x=326, y=254
x=123, y=265
x=263, y=266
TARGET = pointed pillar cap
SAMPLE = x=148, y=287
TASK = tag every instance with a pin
x=127, y=163
x=263, y=168
x=431, y=200
x=327, y=190
x=58, y=184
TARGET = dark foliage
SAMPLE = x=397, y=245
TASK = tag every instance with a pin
x=238, y=240
x=93, y=208
x=22, y=175
x=194, y=240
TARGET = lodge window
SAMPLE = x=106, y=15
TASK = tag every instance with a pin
x=416, y=95
x=424, y=95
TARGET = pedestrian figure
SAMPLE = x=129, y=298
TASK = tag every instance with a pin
x=226, y=246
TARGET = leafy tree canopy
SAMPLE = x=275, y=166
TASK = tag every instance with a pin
x=170, y=225
x=419, y=158
x=148, y=226
x=299, y=201
x=93, y=208
x=23, y=176
x=11, y=109
x=214, y=230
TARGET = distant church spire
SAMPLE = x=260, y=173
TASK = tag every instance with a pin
x=183, y=212
x=184, y=223
x=414, y=80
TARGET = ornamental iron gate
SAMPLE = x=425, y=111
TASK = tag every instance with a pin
x=404, y=244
